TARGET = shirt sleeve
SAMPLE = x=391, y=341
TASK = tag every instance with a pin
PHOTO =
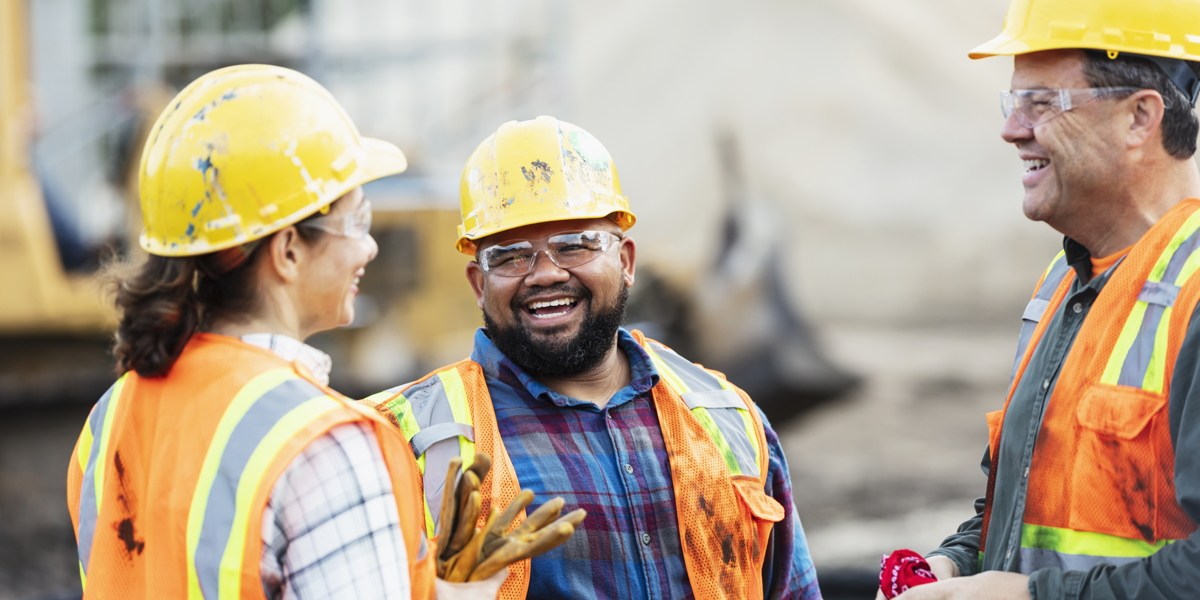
x=331, y=527
x=1172, y=573
x=962, y=547
x=788, y=570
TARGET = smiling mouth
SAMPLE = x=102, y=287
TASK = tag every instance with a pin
x=1036, y=164
x=548, y=309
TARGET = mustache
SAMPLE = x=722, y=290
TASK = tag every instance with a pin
x=520, y=300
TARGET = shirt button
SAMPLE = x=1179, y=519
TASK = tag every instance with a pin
x=1026, y=473
x=1008, y=555
x=1046, y=384
x=629, y=468
x=1078, y=308
x=646, y=539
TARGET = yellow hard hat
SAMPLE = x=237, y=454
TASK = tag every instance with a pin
x=538, y=171
x=245, y=151
x=1166, y=28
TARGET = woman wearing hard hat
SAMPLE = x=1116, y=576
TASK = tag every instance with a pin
x=220, y=464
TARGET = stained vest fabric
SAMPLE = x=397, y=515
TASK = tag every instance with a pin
x=715, y=445
x=1101, y=482
x=170, y=476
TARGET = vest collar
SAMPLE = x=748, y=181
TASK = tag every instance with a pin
x=497, y=366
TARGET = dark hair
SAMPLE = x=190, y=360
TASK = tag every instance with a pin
x=1179, y=124
x=164, y=300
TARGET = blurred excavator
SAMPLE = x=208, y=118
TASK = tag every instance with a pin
x=415, y=310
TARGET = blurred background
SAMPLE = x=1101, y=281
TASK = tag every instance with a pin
x=826, y=213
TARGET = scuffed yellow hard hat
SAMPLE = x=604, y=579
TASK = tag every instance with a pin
x=245, y=151
x=1164, y=28
x=537, y=171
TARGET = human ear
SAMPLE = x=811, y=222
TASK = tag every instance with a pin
x=1146, y=112
x=285, y=253
x=628, y=260
x=475, y=278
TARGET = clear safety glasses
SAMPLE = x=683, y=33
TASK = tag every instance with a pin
x=1034, y=107
x=566, y=250
x=356, y=225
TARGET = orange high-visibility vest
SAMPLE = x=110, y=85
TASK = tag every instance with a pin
x=1101, y=483
x=169, y=479
x=714, y=440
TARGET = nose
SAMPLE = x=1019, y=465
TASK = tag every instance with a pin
x=370, y=239
x=545, y=272
x=1013, y=131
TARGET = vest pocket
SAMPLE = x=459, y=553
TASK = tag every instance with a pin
x=758, y=509
x=1116, y=465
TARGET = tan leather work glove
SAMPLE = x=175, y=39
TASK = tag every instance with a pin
x=468, y=553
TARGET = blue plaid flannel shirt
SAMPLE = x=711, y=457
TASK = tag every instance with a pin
x=613, y=463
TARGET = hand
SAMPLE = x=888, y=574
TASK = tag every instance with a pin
x=943, y=568
x=989, y=585
x=468, y=553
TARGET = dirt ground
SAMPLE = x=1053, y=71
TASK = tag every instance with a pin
x=897, y=464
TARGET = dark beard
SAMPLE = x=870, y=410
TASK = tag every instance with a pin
x=585, y=351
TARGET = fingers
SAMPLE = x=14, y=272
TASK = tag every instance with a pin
x=470, y=554
x=549, y=538
x=519, y=548
x=481, y=465
x=574, y=517
x=449, y=504
x=495, y=535
x=467, y=517
x=544, y=514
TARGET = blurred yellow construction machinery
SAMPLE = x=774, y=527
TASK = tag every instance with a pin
x=415, y=312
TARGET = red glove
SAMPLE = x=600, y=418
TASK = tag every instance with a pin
x=902, y=570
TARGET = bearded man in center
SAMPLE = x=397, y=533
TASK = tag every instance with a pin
x=685, y=483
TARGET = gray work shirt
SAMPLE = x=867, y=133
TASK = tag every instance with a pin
x=1171, y=573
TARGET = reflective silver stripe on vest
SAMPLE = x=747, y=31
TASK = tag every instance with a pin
x=436, y=433
x=714, y=399
x=1036, y=309
x=1033, y=559
x=258, y=421
x=87, y=501
x=1159, y=295
x=431, y=408
x=722, y=405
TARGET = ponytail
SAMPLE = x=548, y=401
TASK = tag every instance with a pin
x=160, y=310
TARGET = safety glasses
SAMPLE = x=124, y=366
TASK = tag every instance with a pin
x=356, y=225
x=1034, y=107
x=566, y=250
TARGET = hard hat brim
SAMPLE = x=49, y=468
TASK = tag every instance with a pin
x=623, y=218
x=1005, y=45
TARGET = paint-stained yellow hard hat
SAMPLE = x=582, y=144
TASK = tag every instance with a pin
x=1166, y=28
x=538, y=171
x=245, y=151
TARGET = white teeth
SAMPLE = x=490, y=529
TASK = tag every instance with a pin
x=1035, y=164
x=559, y=302
x=549, y=315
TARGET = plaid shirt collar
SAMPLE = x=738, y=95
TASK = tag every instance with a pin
x=497, y=366
x=291, y=349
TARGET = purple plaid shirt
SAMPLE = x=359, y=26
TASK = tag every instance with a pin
x=613, y=463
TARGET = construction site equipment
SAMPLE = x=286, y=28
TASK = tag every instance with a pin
x=549, y=170
x=245, y=151
x=48, y=317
